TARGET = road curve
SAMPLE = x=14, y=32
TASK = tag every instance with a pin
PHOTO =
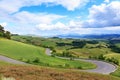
x=102, y=67
x=9, y=60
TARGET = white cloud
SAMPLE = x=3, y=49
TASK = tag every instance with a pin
x=31, y=18
x=117, y=28
x=104, y=15
x=106, y=1
x=11, y=6
x=71, y=25
x=57, y=26
x=101, y=16
x=72, y=4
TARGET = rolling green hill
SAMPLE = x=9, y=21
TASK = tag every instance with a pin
x=91, y=48
x=36, y=55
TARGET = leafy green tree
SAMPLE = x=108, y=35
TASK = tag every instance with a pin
x=1, y=31
x=101, y=57
x=7, y=35
x=79, y=43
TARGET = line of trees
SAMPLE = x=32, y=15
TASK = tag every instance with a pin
x=5, y=34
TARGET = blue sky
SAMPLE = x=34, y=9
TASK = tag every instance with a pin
x=57, y=17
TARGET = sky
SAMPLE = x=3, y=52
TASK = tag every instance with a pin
x=59, y=17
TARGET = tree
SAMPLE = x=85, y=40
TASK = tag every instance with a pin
x=101, y=57
x=3, y=33
x=1, y=29
x=7, y=35
x=78, y=43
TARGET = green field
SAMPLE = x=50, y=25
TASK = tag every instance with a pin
x=86, y=51
x=25, y=52
x=113, y=55
x=116, y=56
x=118, y=44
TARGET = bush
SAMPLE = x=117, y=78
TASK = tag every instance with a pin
x=79, y=67
x=28, y=61
x=67, y=65
x=36, y=60
x=53, y=55
x=113, y=60
x=79, y=43
x=101, y=57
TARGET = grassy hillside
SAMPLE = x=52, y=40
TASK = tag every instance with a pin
x=36, y=55
x=18, y=50
x=60, y=45
x=118, y=44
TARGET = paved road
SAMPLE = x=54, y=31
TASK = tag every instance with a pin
x=9, y=60
x=102, y=67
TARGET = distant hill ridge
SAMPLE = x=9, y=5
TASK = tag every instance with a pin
x=91, y=36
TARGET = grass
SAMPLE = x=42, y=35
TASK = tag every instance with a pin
x=113, y=55
x=25, y=52
x=117, y=72
x=18, y=72
x=116, y=56
x=85, y=52
x=42, y=73
x=2, y=63
x=118, y=44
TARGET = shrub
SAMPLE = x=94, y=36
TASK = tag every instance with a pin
x=28, y=61
x=36, y=60
x=67, y=65
x=79, y=67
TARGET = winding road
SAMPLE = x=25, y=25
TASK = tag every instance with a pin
x=102, y=67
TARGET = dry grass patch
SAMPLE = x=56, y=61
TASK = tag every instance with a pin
x=41, y=73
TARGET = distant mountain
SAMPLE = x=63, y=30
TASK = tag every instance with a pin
x=70, y=36
x=91, y=36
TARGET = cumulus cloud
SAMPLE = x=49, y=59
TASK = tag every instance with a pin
x=57, y=26
x=72, y=4
x=102, y=18
x=71, y=25
x=106, y=1
x=31, y=18
x=11, y=6
x=104, y=15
